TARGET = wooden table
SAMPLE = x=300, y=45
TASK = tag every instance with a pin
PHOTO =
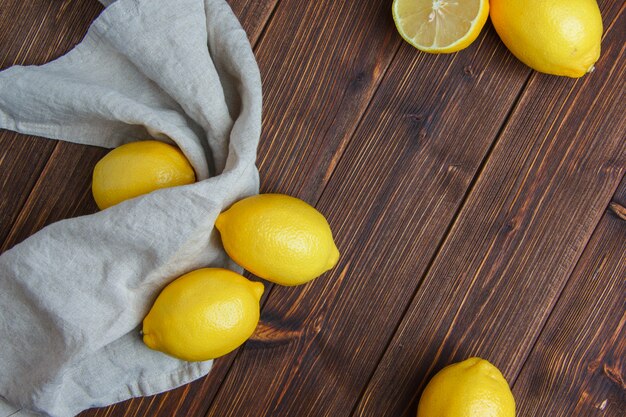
x=478, y=206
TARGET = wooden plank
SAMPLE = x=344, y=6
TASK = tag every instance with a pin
x=308, y=366
x=276, y=136
x=32, y=33
x=253, y=15
x=297, y=81
x=321, y=63
x=577, y=366
x=519, y=235
x=50, y=29
x=45, y=207
x=411, y=159
x=21, y=161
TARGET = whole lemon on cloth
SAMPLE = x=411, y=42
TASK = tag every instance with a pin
x=279, y=238
x=440, y=26
x=137, y=168
x=472, y=388
x=559, y=37
x=203, y=314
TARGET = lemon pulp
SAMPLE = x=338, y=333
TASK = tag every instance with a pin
x=440, y=26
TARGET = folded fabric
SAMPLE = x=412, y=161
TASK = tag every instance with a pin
x=73, y=295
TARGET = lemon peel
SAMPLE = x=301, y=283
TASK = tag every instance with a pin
x=471, y=388
x=137, y=168
x=203, y=314
x=279, y=238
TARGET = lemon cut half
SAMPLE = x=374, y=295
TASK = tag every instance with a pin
x=440, y=26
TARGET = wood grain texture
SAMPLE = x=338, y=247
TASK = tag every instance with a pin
x=320, y=63
x=389, y=201
x=253, y=15
x=340, y=117
x=58, y=192
x=21, y=161
x=392, y=162
x=61, y=172
x=578, y=365
x=517, y=238
x=310, y=66
x=35, y=32
x=32, y=33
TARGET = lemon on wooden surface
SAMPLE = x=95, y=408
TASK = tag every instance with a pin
x=279, y=238
x=138, y=168
x=440, y=26
x=559, y=37
x=472, y=388
x=203, y=314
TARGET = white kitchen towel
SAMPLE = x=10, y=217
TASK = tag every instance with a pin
x=73, y=295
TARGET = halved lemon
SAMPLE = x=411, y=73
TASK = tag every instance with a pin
x=440, y=26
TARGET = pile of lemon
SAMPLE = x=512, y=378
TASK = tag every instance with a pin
x=560, y=37
x=209, y=312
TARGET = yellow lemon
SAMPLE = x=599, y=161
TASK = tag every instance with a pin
x=440, y=26
x=279, y=238
x=472, y=388
x=203, y=314
x=560, y=37
x=138, y=168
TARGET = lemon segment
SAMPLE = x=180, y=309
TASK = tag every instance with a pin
x=440, y=26
x=279, y=238
x=138, y=168
x=472, y=388
x=203, y=315
x=559, y=37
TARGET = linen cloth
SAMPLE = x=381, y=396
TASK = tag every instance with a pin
x=73, y=295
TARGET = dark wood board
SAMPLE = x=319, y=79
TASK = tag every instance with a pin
x=389, y=201
x=290, y=112
x=331, y=332
x=518, y=237
x=320, y=62
x=32, y=33
x=22, y=159
x=577, y=366
x=427, y=166
x=56, y=195
x=337, y=328
x=253, y=15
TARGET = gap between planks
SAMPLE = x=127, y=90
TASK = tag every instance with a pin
x=584, y=246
